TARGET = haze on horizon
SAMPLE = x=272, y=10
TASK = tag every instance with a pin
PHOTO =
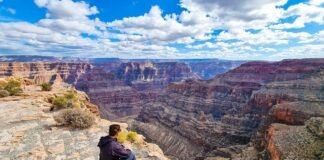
x=159, y=29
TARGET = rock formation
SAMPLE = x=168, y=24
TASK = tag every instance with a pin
x=229, y=115
x=45, y=71
x=28, y=131
x=258, y=110
x=119, y=89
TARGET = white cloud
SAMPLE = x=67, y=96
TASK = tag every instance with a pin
x=305, y=14
x=154, y=27
x=316, y=2
x=243, y=14
x=264, y=37
x=69, y=17
x=315, y=38
x=27, y=38
x=304, y=51
x=67, y=9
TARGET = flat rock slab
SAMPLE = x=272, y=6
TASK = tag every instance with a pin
x=28, y=131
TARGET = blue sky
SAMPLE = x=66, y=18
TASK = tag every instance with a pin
x=226, y=29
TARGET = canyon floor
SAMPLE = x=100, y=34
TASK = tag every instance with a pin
x=28, y=131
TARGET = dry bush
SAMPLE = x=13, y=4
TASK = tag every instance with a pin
x=75, y=118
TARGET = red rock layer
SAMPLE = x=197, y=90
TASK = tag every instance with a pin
x=233, y=108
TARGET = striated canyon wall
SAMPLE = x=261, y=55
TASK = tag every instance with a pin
x=124, y=91
x=242, y=114
x=120, y=89
x=45, y=71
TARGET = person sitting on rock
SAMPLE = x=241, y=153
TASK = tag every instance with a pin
x=110, y=149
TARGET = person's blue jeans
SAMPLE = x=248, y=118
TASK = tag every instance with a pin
x=131, y=156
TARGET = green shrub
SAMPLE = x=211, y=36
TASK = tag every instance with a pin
x=76, y=118
x=69, y=100
x=127, y=136
x=132, y=136
x=13, y=87
x=4, y=93
x=122, y=137
x=46, y=86
x=60, y=102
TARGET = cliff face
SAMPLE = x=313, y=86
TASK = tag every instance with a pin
x=227, y=115
x=45, y=71
x=119, y=89
x=28, y=131
x=296, y=141
x=147, y=71
x=123, y=91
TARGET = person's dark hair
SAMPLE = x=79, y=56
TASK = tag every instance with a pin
x=114, y=129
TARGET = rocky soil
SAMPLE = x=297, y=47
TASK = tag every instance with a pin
x=28, y=131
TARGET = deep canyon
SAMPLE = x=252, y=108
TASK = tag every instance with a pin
x=198, y=109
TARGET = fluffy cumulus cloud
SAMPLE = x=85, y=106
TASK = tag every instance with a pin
x=304, y=13
x=231, y=29
x=233, y=14
x=152, y=26
x=69, y=16
x=62, y=31
x=28, y=38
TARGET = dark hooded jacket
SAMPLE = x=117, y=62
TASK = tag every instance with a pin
x=110, y=149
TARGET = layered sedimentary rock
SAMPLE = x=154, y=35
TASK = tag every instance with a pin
x=120, y=89
x=162, y=73
x=45, y=71
x=123, y=91
x=229, y=114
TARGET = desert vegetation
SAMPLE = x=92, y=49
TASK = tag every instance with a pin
x=71, y=112
x=10, y=87
x=127, y=136
x=70, y=99
x=46, y=86
x=75, y=117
